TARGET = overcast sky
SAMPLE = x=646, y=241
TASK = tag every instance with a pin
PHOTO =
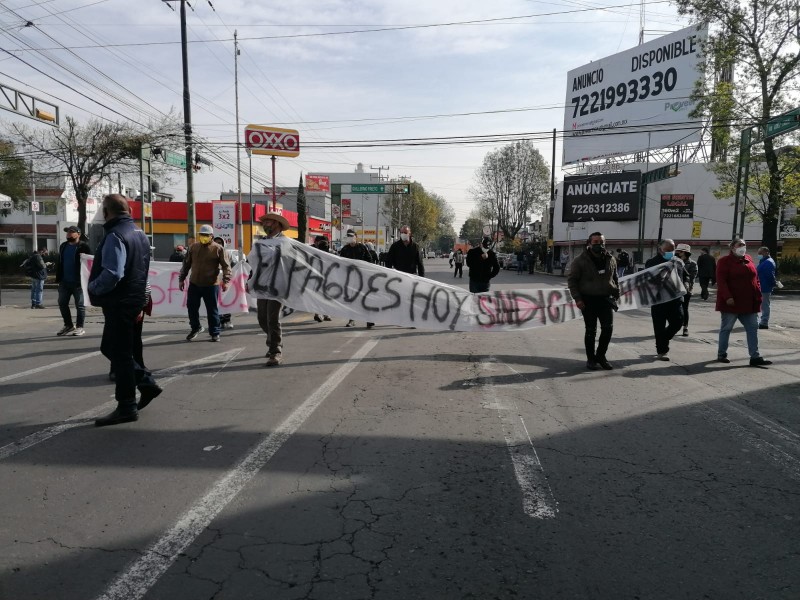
x=123, y=58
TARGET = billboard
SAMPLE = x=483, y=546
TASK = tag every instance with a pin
x=318, y=183
x=346, y=208
x=610, y=197
x=272, y=141
x=223, y=221
x=677, y=206
x=634, y=100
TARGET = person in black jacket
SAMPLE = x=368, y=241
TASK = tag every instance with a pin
x=36, y=269
x=667, y=316
x=355, y=250
x=404, y=255
x=118, y=284
x=68, y=278
x=483, y=266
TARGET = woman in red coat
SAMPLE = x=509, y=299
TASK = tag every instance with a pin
x=738, y=298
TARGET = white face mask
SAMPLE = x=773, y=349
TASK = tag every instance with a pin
x=404, y=237
x=740, y=251
x=351, y=241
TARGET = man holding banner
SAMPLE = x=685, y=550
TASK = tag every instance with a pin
x=594, y=285
x=269, y=310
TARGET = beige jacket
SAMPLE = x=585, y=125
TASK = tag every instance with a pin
x=205, y=261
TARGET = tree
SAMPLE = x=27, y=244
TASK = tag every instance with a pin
x=758, y=37
x=425, y=212
x=302, y=212
x=513, y=182
x=13, y=173
x=88, y=152
x=472, y=229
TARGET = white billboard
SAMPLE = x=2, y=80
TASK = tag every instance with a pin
x=634, y=100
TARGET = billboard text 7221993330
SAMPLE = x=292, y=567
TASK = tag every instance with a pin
x=610, y=197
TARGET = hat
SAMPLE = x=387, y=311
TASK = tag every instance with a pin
x=683, y=248
x=351, y=233
x=275, y=217
x=320, y=238
x=71, y=229
x=206, y=230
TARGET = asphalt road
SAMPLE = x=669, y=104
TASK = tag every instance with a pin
x=400, y=463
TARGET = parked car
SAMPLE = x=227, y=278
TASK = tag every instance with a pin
x=431, y=254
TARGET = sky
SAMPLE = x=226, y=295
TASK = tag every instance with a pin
x=438, y=69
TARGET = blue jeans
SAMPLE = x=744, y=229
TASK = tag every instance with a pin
x=37, y=291
x=66, y=291
x=750, y=323
x=208, y=294
x=765, y=300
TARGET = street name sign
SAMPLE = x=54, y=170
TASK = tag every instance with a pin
x=782, y=124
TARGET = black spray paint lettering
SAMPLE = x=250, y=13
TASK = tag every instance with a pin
x=267, y=271
x=393, y=292
x=351, y=272
x=372, y=290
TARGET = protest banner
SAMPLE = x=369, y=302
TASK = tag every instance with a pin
x=168, y=299
x=307, y=279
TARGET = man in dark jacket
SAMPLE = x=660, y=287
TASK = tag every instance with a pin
x=355, y=250
x=36, y=269
x=667, y=316
x=68, y=278
x=706, y=272
x=404, y=254
x=118, y=284
x=483, y=266
x=594, y=286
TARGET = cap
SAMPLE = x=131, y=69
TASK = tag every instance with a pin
x=71, y=229
x=683, y=248
x=351, y=233
x=206, y=230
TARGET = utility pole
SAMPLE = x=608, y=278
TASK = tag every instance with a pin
x=238, y=145
x=378, y=204
x=34, y=232
x=187, y=125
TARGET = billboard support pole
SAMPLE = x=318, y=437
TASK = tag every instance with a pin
x=552, y=190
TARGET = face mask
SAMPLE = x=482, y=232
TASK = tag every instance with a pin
x=761, y=257
x=351, y=242
x=598, y=248
x=404, y=237
x=740, y=251
x=668, y=255
x=204, y=239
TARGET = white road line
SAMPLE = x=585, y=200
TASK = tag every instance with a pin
x=537, y=497
x=81, y=419
x=68, y=361
x=143, y=573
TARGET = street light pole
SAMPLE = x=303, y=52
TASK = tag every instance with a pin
x=238, y=143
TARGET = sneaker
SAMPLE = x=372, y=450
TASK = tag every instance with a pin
x=351, y=323
x=274, y=360
x=147, y=394
x=214, y=338
x=227, y=325
x=662, y=356
x=759, y=361
x=723, y=359
x=685, y=332
x=763, y=326
x=326, y=318
x=67, y=329
x=370, y=325
x=317, y=318
x=39, y=306
x=78, y=331
x=117, y=417
x=592, y=365
x=194, y=333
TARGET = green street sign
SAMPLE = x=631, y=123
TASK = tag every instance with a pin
x=782, y=124
x=379, y=188
x=175, y=159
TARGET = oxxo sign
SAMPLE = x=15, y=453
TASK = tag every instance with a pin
x=272, y=141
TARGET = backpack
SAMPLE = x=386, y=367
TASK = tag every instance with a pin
x=29, y=268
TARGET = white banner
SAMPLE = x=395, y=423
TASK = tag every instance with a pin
x=168, y=300
x=307, y=279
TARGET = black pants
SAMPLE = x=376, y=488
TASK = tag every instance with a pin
x=686, y=299
x=118, y=346
x=597, y=308
x=704, y=281
x=667, y=321
x=459, y=271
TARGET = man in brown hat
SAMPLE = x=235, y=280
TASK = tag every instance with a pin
x=269, y=311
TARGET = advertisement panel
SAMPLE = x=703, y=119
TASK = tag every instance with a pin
x=272, y=141
x=318, y=183
x=346, y=208
x=634, y=100
x=223, y=221
x=610, y=197
x=677, y=206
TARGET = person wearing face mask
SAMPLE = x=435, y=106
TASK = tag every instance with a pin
x=321, y=243
x=667, y=316
x=204, y=261
x=404, y=255
x=738, y=299
x=767, y=279
x=355, y=250
x=68, y=278
x=483, y=266
x=684, y=252
x=594, y=286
